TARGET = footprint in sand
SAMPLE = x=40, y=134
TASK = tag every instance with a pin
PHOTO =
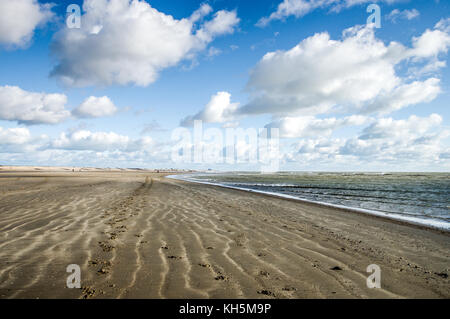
x=266, y=292
x=221, y=278
x=264, y=273
x=174, y=257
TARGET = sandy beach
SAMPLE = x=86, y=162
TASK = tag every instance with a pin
x=137, y=234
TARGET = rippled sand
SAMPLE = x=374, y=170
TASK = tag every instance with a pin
x=140, y=235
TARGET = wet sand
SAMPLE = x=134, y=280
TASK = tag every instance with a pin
x=137, y=234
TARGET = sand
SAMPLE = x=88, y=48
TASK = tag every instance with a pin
x=137, y=234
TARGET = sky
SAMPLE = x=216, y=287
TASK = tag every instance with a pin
x=129, y=85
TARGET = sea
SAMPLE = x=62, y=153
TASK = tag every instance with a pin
x=419, y=198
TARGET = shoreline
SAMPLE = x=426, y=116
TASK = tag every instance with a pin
x=419, y=222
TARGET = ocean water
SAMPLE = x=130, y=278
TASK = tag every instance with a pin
x=416, y=197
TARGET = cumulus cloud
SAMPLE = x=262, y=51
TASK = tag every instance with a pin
x=32, y=107
x=357, y=73
x=444, y=25
x=413, y=138
x=99, y=141
x=428, y=47
x=19, y=20
x=95, y=107
x=410, y=128
x=223, y=22
x=19, y=140
x=413, y=142
x=16, y=135
x=309, y=126
x=123, y=42
x=397, y=14
x=300, y=8
x=219, y=109
x=432, y=42
x=404, y=95
x=81, y=148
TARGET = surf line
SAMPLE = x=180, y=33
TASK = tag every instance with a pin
x=191, y=309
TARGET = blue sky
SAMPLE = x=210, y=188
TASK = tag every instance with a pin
x=385, y=109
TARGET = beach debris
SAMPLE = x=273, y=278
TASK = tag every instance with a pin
x=442, y=274
x=265, y=292
x=174, y=257
x=113, y=236
x=105, y=246
x=220, y=277
x=92, y=262
x=103, y=271
x=97, y=262
x=88, y=292
x=336, y=268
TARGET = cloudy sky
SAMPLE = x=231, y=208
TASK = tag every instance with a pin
x=345, y=95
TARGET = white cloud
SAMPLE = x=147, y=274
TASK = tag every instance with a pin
x=219, y=109
x=32, y=107
x=19, y=20
x=404, y=95
x=132, y=42
x=396, y=14
x=223, y=22
x=309, y=126
x=431, y=43
x=416, y=142
x=444, y=25
x=357, y=73
x=213, y=52
x=432, y=66
x=81, y=148
x=428, y=47
x=411, y=128
x=413, y=139
x=201, y=12
x=95, y=107
x=16, y=135
x=99, y=141
x=300, y=8
x=19, y=140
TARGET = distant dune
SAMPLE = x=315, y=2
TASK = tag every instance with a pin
x=6, y=168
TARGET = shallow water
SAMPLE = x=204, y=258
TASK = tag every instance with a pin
x=419, y=195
